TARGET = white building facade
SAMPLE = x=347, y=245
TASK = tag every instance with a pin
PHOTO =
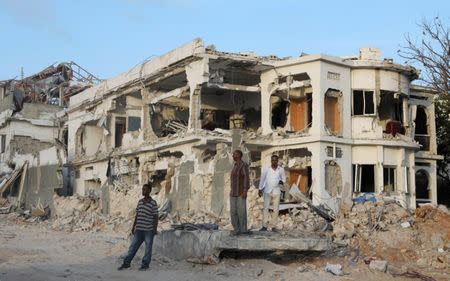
x=341, y=126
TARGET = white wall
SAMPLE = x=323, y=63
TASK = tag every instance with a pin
x=268, y=77
x=344, y=85
x=93, y=140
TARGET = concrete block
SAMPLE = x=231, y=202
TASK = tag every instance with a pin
x=379, y=265
x=205, y=245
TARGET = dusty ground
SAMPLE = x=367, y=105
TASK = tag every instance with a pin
x=31, y=251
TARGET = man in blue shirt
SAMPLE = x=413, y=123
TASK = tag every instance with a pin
x=273, y=178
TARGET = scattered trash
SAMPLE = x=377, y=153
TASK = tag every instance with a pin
x=260, y=272
x=414, y=274
x=366, y=197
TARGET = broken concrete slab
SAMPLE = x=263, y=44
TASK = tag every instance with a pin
x=199, y=244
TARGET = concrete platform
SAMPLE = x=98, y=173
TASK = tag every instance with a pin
x=206, y=245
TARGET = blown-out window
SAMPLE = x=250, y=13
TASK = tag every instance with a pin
x=363, y=178
x=363, y=102
x=389, y=179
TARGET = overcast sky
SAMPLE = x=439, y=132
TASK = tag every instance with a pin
x=107, y=37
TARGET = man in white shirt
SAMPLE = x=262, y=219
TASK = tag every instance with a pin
x=272, y=179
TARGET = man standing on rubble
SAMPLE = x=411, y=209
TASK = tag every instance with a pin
x=240, y=183
x=272, y=179
x=144, y=229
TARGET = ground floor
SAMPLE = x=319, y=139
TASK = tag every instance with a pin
x=195, y=176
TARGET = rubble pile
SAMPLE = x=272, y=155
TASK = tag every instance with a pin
x=123, y=203
x=254, y=205
x=369, y=217
x=387, y=231
x=300, y=219
x=78, y=214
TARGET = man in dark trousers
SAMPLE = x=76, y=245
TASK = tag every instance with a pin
x=144, y=229
x=240, y=183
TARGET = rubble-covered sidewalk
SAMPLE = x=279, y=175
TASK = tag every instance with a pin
x=379, y=239
x=32, y=251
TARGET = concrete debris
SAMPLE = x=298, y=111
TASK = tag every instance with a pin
x=378, y=231
x=53, y=85
x=379, y=265
x=4, y=202
x=37, y=212
x=426, y=212
x=5, y=206
x=306, y=267
x=78, y=214
x=198, y=226
x=321, y=210
x=415, y=275
x=405, y=224
x=369, y=217
x=299, y=220
x=335, y=269
x=202, y=218
x=443, y=209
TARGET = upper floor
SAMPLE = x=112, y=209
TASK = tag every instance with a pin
x=196, y=94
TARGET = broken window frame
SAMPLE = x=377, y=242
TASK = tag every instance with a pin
x=388, y=173
x=357, y=178
x=426, y=174
x=397, y=106
x=364, y=91
x=283, y=104
x=421, y=138
x=307, y=114
x=337, y=95
x=407, y=180
x=124, y=130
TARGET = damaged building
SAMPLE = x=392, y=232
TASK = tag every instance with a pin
x=33, y=137
x=342, y=126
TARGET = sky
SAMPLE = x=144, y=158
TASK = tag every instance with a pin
x=108, y=37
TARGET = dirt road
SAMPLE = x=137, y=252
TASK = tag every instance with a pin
x=30, y=251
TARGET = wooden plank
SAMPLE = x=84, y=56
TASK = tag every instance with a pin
x=22, y=182
x=8, y=184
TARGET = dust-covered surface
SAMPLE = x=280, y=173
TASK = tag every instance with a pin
x=33, y=250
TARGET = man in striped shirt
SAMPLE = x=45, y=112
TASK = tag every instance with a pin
x=144, y=229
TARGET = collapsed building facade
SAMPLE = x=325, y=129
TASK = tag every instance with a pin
x=342, y=126
x=33, y=139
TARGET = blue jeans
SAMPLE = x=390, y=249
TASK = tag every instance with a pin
x=139, y=237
